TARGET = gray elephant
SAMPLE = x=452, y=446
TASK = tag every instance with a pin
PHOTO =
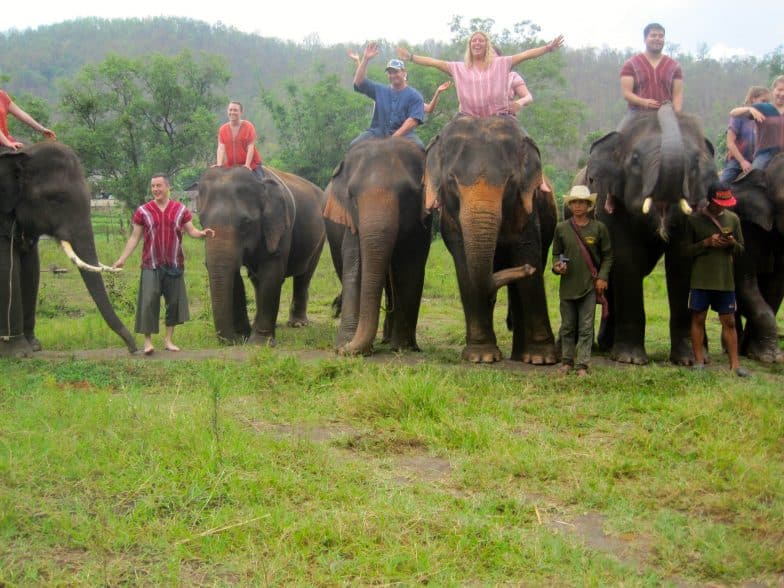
x=272, y=227
x=648, y=177
x=43, y=192
x=374, y=200
x=485, y=174
x=759, y=271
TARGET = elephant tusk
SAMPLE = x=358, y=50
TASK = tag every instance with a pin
x=506, y=276
x=646, y=205
x=110, y=269
x=685, y=208
x=69, y=252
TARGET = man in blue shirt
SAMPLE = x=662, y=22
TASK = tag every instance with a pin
x=399, y=107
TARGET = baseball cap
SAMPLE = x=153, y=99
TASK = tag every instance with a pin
x=395, y=64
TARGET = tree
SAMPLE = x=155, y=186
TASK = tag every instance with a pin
x=129, y=118
x=316, y=125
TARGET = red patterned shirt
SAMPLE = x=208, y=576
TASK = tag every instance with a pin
x=650, y=83
x=237, y=146
x=162, y=233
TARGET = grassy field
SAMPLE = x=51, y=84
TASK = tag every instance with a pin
x=285, y=469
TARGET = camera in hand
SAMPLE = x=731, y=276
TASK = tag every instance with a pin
x=563, y=259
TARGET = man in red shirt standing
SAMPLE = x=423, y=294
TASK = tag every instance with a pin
x=237, y=142
x=161, y=221
x=650, y=79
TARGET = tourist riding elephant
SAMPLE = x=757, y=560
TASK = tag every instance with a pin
x=484, y=174
x=648, y=177
x=759, y=271
x=375, y=195
x=274, y=228
x=43, y=192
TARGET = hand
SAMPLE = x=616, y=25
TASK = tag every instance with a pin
x=208, y=233
x=601, y=286
x=651, y=104
x=403, y=53
x=371, y=50
x=515, y=106
x=718, y=240
x=745, y=165
x=555, y=43
x=559, y=267
x=444, y=87
x=756, y=114
x=248, y=166
x=118, y=264
x=49, y=134
x=354, y=56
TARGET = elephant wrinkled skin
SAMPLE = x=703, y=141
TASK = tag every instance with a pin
x=485, y=173
x=648, y=177
x=759, y=271
x=272, y=227
x=43, y=192
x=379, y=241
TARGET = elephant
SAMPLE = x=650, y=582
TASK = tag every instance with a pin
x=759, y=270
x=274, y=228
x=374, y=198
x=485, y=173
x=43, y=192
x=649, y=176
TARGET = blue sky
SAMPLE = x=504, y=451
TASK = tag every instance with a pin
x=723, y=26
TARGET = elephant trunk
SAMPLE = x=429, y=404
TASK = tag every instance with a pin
x=672, y=171
x=379, y=222
x=223, y=262
x=84, y=247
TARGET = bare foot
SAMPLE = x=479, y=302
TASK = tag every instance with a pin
x=149, y=350
x=171, y=346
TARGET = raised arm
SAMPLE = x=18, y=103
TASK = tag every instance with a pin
x=30, y=121
x=406, y=55
x=371, y=50
x=431, y=106
x=538, y=51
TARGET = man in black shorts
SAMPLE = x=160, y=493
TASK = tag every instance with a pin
x=716, y=239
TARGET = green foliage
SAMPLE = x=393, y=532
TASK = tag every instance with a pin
x=129, y=118
x=775, y=62
x=36, y=107
x=315, y=125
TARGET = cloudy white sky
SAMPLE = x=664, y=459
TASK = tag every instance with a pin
x=725, y=27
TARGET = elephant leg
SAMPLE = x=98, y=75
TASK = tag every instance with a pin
x=298, y=310
x=352, y=277
x=12, y=340
x=678, y=273
x=30, y=277
x=240, y=307
x=760, y=338
x=407, y=282
x=267, y=282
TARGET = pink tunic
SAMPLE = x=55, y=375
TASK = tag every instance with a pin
x=482, y=92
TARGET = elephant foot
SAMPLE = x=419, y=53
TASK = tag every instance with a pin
x=352, y=349
x=765, y=353
x=543, y=354
x=261, y=339
x=16, y=347
x=297, y=322
x=35, y=344
x=487, y=353
x=404, y=346
x=633, y=355
x=682, y=353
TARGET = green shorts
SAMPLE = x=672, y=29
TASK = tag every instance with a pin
x=153, y=284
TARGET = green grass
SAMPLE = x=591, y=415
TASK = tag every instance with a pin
x=281, y=470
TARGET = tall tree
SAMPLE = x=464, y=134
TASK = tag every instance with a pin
x=129, y=118
x=315, y=125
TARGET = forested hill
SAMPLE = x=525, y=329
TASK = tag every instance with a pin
x=33, y=61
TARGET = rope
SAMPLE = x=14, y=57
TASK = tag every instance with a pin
x=282, y=183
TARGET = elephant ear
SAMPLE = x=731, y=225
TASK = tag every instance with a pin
x=604, y=171
x=277, y=213
x=530, y=180
x=432, y=175
x=11, y=167
x=336, y=208
x=754, y=205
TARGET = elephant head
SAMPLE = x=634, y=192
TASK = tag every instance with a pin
x=43, y=192
x=484, y=173
x=657, y=165
x=253, y=222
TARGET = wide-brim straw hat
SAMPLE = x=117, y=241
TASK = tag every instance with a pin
x=580, y=192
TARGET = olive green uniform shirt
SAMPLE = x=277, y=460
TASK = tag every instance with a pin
x=712, y=267
x=577, y=280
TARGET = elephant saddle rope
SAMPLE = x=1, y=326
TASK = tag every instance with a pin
x=600, y=298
